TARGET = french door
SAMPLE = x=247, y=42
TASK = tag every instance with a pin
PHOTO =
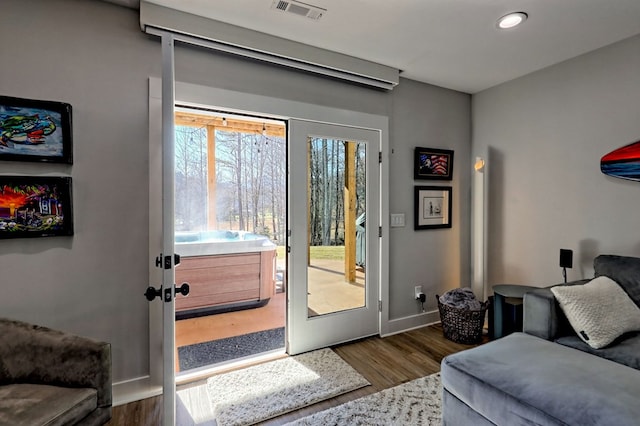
x=334, y=243
x=308, y=326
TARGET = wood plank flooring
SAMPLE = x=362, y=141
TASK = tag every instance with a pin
x=385, y=362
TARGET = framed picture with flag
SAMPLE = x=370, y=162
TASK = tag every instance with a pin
x=432, y=164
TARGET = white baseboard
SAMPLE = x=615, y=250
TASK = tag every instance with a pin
x=134, y=390
x=400, y=325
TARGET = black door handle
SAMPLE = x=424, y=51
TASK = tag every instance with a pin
x=183, y=289
x=151, y=292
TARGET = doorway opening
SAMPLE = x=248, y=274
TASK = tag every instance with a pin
x=230, y=225
x=232, y=207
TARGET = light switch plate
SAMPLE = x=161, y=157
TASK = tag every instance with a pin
x=397, y=220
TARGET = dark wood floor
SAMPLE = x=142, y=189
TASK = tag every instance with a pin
x=384, y=362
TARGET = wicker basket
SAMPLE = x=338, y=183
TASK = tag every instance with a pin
x=462, y=325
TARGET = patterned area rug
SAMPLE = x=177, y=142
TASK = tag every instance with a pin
x=264, y=391
x=216, y=351
x=417, y=402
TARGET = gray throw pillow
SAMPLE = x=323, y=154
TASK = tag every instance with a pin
x=624, y=270
x=599, y=311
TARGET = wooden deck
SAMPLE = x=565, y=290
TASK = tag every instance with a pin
x=328, y=289
x=328, y=292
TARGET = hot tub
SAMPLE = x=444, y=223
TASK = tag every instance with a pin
x=226, y=271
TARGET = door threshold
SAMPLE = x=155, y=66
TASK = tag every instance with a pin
x=223, y=367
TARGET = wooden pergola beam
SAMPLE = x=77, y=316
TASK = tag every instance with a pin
x=350, y=212
x=232, y=124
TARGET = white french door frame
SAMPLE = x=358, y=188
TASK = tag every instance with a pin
x=195, y=95
x=306, y=332
x=168, y=222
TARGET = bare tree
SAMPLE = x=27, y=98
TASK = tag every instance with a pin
x=191, y=177
x=250, y=182
x=327, y=179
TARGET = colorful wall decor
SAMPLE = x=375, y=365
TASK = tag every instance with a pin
x=34, y=206
x=35, y=130
x=623, y=163
x=432, y=164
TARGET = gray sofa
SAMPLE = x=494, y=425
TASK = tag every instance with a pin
x=548, y=375
x=544, y=318
x=49, y=377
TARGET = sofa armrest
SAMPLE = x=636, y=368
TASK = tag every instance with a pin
x=40, y=355
x=543, y=317
x=540, y=316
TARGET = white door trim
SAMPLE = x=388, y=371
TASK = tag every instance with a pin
x=198, y=95
x=308, y=333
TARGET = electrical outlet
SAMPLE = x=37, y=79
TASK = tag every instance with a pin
x=418, y=291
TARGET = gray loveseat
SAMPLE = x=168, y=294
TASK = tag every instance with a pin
x=548, y=375
x=49, y=377
x=544, y=318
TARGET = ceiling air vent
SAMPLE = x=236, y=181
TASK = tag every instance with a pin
x=298, y=8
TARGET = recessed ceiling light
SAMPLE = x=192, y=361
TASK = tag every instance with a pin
x=512, y=20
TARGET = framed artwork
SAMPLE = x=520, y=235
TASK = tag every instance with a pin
x=34, y=130
x=34, y=206
x=432, y=207
x=432, y=164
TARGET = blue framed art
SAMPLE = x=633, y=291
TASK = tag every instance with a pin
x=35, y=130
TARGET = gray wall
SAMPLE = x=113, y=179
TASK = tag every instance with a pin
x=438, y=259
x=94, y=56
x=91, y=55
x=545, y=134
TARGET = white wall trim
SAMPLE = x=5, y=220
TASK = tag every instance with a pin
x=135, y=389
x=412, y=322
x=224, y=37
x=204, y=96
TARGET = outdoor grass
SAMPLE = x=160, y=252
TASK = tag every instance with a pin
x=320, y=252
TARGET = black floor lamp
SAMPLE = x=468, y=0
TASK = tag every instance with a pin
x=566, y=261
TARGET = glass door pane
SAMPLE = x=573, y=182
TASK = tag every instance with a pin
x=333, y=187
x=337, y=238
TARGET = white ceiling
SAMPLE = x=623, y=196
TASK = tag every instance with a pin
x=449, y=43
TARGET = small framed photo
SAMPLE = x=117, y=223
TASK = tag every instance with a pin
x=35, y=130
x=35, y=206
x=432, y=207
x=432, y=164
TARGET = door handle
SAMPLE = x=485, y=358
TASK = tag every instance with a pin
x=183, y=289
x=152, y=292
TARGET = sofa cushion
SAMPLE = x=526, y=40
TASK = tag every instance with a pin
x=624, y=350
x=624, y=270
x=28, y=404
x=524, y=380
x=599, y=311
x=34, y=354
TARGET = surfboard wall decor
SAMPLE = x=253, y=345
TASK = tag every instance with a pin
x=623, y=163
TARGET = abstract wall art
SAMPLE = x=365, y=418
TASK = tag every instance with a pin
x=35, y=130
x=34, y=206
